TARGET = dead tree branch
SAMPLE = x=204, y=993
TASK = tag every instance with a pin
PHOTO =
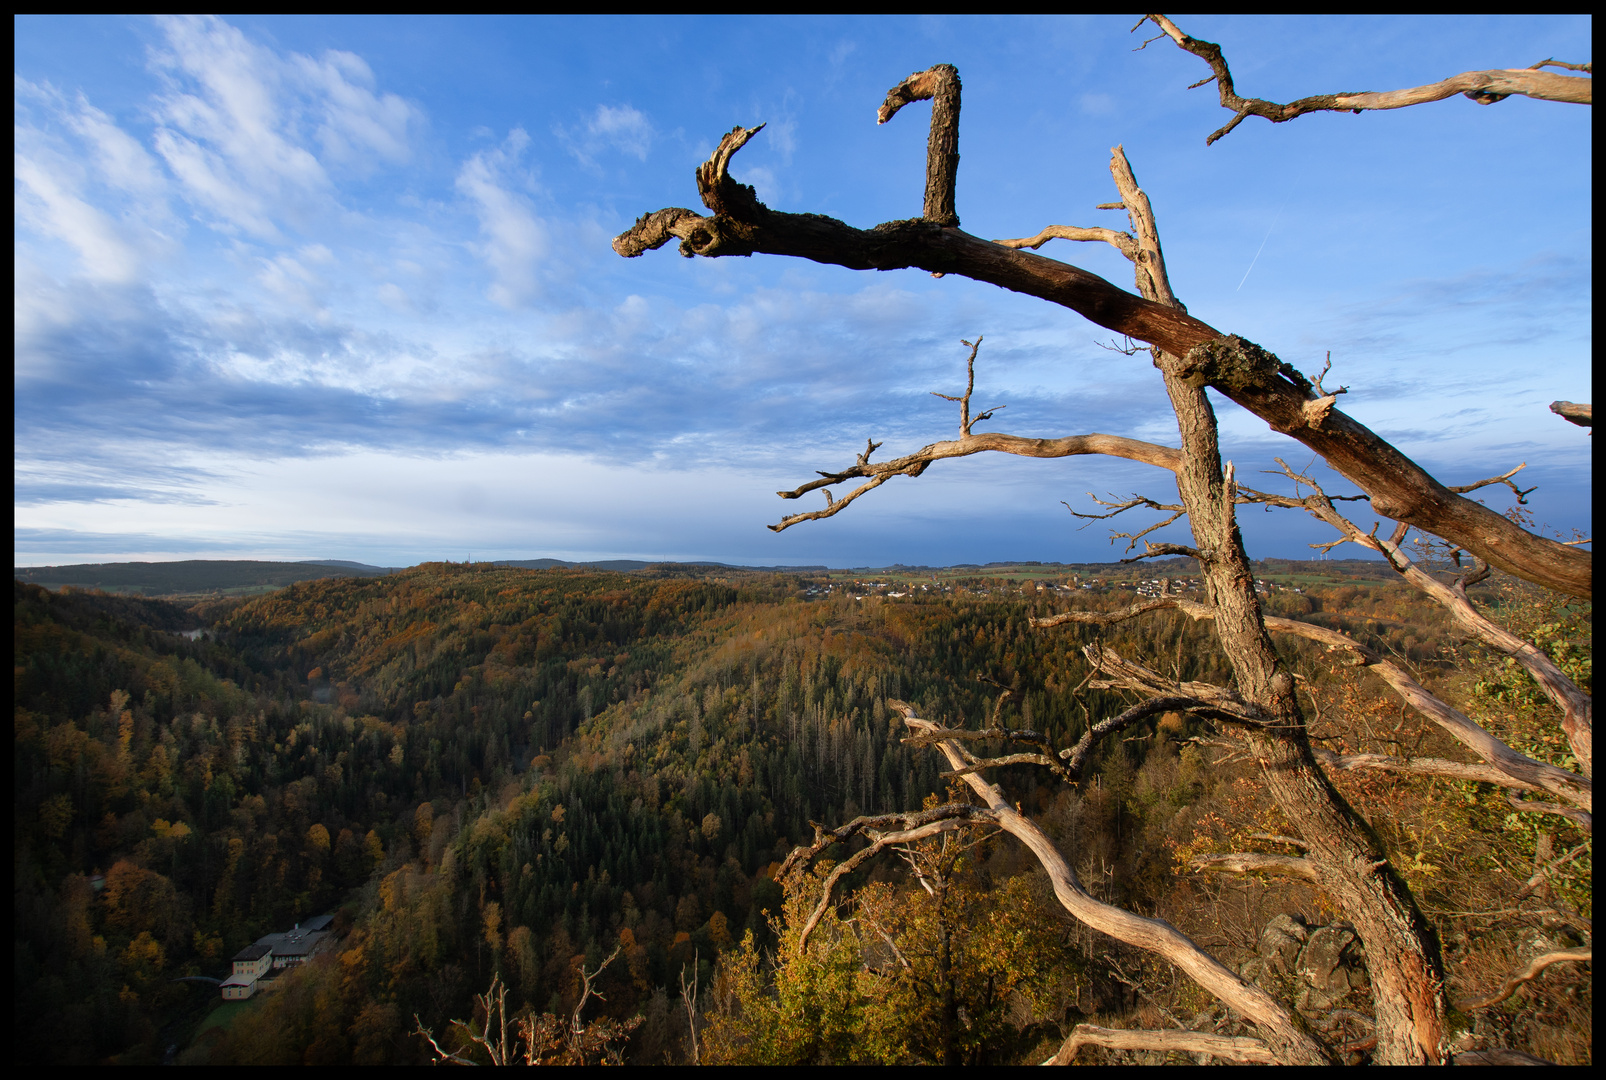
x=1246, y=374
x=1249, y=862
x=576, y=1028
x=1508, y=767
x=494, y=1004
x=1577, y=707
x=688, y=998
x=939, y=85
x=1535, y=968
x=1235, y=1049
x=1541, y=875
x=1076, y=757
x=1572, y=412
x=914, y=826
x=1293, y=1043
x=1582, y=818
x=965, y=420
x=1484, y=87
x=877, y=473
x=1419, y=766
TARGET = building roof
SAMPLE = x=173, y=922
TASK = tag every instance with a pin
x=253, y=952
x=237, y=980
x=318, y=922
x=291, y=942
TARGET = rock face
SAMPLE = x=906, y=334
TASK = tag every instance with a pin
x=1324, y=964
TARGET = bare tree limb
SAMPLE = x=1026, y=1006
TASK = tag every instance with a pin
x=586, y=993
x=1155, y=551
x=1535, y=967
x=1572, y=412
x=1246, y=374
x=1240, y=1050
x=939, y=85
x=1122, y=242
x=941, y=819
x=1504, y=478
x=1293, y=1044
x=1076, y=757
x=1512, y=768
x=688, y=998
x=1577, y=707
x=1484, y=87
x=1582, y=818
x=878, y=473
x=1248, y=862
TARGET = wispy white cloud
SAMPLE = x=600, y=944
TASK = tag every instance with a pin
x=622, y=129
x=515, y=239
x=356, y=123
x=48, y=199
x=251, y=134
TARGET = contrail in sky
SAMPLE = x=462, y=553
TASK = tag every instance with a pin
x=1262, y=247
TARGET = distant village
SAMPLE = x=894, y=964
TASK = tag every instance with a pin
x=256, y=965
x=1145, y=587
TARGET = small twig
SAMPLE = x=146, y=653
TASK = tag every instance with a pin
x=1503, y=478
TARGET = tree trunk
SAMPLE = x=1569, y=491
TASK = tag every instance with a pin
x=1402, y=950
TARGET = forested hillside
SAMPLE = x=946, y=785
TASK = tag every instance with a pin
x=509, y=772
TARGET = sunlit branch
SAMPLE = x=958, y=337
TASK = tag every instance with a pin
x=1237, y=1049
x=1526, y=771
x=1577, y=707
x=1153, y=935
x=1484, y=87
x=1248, y=862
x=1535, y=968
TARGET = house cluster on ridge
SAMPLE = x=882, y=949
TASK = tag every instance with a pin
x=273, y=953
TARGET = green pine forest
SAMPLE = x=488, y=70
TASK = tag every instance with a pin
x=491, y=773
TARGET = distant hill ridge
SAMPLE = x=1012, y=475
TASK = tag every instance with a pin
x=191, y=577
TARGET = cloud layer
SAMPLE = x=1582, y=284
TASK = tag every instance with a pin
x=246, y=260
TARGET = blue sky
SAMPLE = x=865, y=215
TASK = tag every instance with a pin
x=334, y=287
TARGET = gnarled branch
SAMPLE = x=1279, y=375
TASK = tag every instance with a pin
x=876, y=473
x=1484, y=87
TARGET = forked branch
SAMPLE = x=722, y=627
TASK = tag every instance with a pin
x=1507, y=767
x=1286, y=1038
x=1484, y=87
x=969, y=442
x=913, y=826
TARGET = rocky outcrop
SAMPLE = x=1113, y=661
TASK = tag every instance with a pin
x=1322, y=965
